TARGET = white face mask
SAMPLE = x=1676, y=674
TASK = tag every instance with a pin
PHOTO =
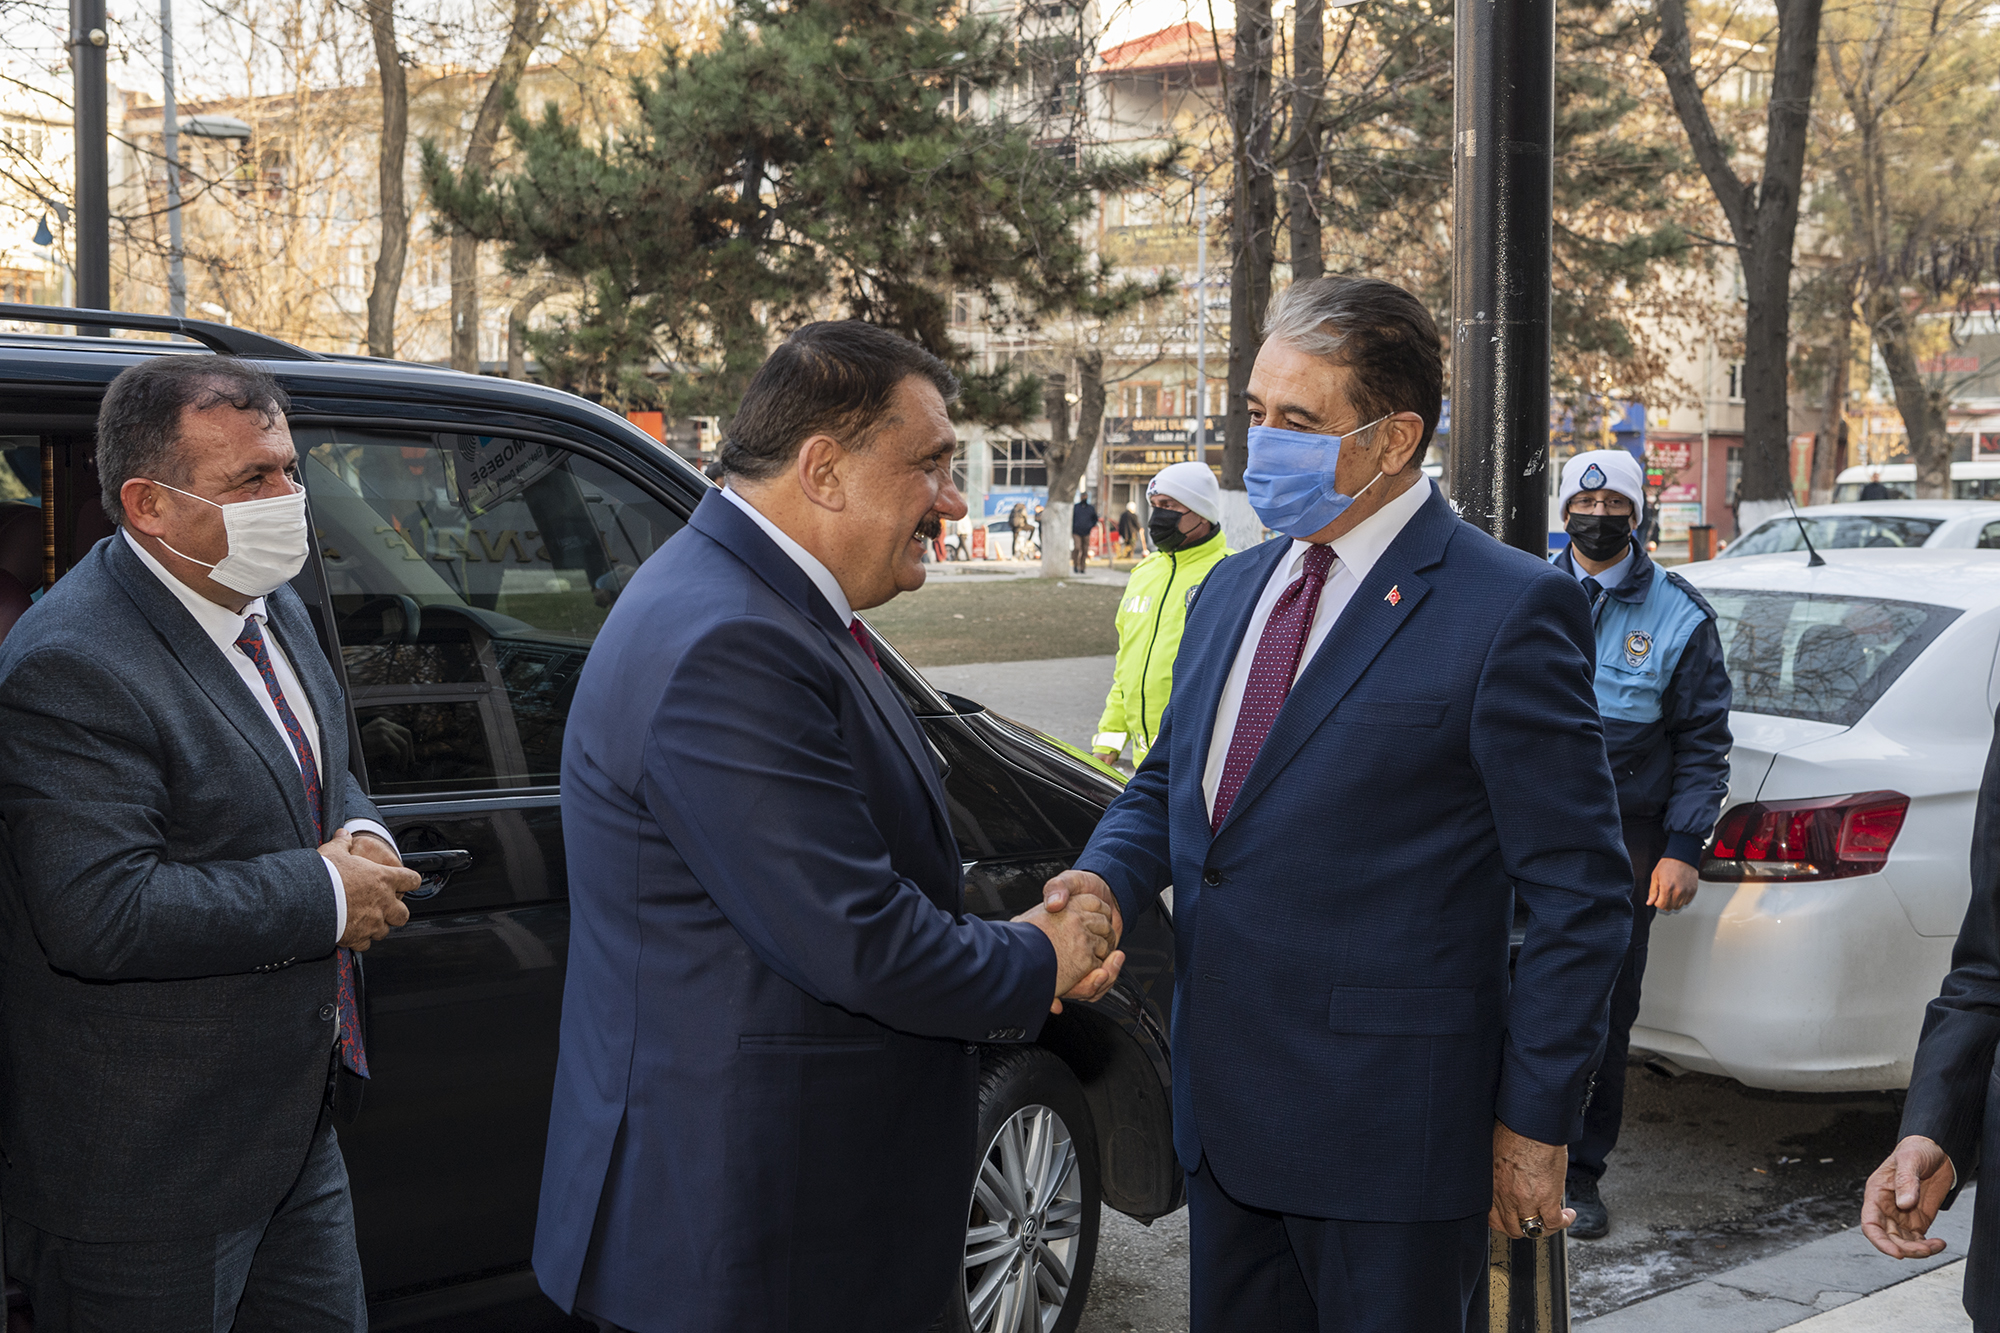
x=267, y=542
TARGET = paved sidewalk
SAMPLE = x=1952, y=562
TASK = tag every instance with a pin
x=1837, y=1284
x=1063, y=696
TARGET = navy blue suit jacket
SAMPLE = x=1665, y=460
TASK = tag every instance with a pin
x=1343, y=1032
x=765, y=1101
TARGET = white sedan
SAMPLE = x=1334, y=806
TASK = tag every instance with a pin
x=1837, y=877
x=1900, y=524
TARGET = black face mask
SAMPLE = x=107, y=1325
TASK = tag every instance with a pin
x=1164, y=527
x=1600, y=536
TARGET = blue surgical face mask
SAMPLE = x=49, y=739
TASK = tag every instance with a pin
x=1290, y=478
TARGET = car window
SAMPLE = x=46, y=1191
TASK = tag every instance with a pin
x=1833, y=533
x=1849, y=491
x=1823, y=658
x=468, y=575
x=1989, y=537
x=1975, y=488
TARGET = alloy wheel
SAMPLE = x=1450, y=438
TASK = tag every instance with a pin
x=1022, y=1233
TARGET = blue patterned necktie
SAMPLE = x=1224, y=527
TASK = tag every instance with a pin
x=1595, y=592
x=251, y=642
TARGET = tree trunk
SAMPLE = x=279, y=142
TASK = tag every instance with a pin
x=390, y=163
x=517, y=326
x=1252, y=217
x=1921, y=409
x=1302, y=166
x=1763, y=220
x=1065, y=469
x=1830, y=446
x=531, y=21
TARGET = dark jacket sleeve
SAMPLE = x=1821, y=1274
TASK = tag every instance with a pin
x=748, y=774
x=1948, y=1086
x=84, y=796
x=1539, y=747
x=1696, y=713
x=1130, y=848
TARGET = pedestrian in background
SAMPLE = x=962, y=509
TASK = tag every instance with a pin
x=1129, y=529
x=186, y=864
x=1017, y=528
x=1082, y=521
x=1950, y=1126
x=1664, y=696
x=1382, y=738
x=1187, y=531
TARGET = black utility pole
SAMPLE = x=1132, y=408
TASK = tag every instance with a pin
x=88, y=41
x=1502, y=179
x=1502, y=204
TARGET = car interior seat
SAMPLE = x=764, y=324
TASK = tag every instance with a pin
x=20, y=560
x=1829, y=666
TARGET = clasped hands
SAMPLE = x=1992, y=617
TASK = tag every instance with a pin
x=1081, y=919
x=373, y=878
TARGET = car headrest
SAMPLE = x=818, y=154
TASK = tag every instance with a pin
x=21, y=542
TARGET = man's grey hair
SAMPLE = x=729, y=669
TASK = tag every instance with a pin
x=139, y=423
x=1383, y=335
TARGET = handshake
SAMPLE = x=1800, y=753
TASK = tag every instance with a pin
x=1081, y=919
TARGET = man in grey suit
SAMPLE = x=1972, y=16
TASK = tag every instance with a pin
x=186, y=867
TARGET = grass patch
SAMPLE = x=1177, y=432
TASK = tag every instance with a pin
x=1018, y=620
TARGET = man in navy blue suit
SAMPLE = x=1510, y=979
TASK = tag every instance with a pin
x=1382, y=734
x=765, y=1101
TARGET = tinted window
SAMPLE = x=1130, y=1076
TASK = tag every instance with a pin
x=1834, y=533
x=1826, y=659
x=1975, y=488
x=1989, y=537
x=469, y=575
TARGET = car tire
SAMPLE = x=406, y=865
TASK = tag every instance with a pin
x=1034, y=1126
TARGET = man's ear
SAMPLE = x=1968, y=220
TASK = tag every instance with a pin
x=140, y=499
x=1406, y=433
x=821, y=468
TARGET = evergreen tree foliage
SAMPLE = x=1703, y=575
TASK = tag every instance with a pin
x=821, y=157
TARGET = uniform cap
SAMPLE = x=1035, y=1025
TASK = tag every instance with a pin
x=1603, y=470
x=1193, y=484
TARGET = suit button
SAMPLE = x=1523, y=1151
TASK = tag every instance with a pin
x=1211, y=877
x=326, y=1013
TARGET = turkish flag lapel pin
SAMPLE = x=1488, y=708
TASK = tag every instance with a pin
x=1394, y=596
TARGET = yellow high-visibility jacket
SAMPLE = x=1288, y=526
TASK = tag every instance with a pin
x=1150, y=621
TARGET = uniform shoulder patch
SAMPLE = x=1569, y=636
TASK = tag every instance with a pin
x=1193, y=593
x=1689, y=590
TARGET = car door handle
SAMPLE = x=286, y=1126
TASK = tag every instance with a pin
x=436, y=868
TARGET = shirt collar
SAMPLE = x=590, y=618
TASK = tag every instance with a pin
x=221, y=624
x=1611, y=578
x=1359, y=548
x=822, y=577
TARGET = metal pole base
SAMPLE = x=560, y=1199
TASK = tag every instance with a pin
x=1527, y=1285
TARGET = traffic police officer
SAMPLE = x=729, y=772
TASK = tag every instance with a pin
x=1186, y=528
x=1664, y=698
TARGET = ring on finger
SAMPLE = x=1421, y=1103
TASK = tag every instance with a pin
x=1533, y=1227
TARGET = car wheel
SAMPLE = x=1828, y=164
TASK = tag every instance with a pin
x=1031, y=1229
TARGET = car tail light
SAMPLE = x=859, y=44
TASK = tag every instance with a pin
x=1832, y=837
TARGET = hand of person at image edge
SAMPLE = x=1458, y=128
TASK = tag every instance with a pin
x=1902, y=1197
x=1527, y=1182
x=1673, y=886
x=1079, y=889
x=374, y=880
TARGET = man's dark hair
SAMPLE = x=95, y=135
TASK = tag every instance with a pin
x=139, y=425
x=1382, y=334
x=833, y=377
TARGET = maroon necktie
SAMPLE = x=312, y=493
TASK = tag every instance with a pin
x=1271, y=672
x=860, y=633
x=251, y=641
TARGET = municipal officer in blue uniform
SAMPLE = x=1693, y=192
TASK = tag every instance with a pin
x=1664, y=696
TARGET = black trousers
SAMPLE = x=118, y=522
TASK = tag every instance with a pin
x=1253, y=1271
x=1644, y=843
x=296, y=1272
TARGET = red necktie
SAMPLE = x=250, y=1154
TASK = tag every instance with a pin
x=1271, y=673
x=251, y=641
x=860, y=633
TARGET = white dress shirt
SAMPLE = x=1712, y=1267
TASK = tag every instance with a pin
x=224, y=627
x=822, y=577
x=1354, y=554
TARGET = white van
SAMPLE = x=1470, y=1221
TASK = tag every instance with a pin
x=1969, y=481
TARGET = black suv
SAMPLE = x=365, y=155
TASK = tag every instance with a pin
x=471, y=533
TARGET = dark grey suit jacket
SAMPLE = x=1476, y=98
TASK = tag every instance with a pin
x=1955, y=1086
x=167, y=984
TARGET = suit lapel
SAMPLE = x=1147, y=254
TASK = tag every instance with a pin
x=204, y=663
x=1366, y=624
x=1219, y=655
x=723, y=523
